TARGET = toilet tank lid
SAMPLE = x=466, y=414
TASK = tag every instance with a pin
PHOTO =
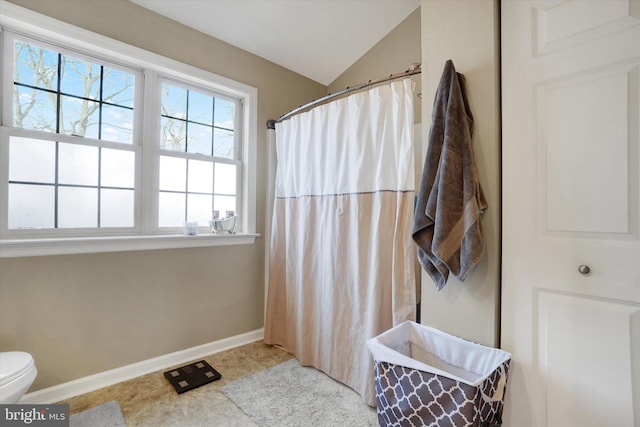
x=13, y=363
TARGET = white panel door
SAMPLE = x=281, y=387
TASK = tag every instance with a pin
x=571, y=221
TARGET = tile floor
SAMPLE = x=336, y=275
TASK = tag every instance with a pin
x=151, y=401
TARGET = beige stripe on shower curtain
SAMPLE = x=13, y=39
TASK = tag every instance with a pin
x=341, y=265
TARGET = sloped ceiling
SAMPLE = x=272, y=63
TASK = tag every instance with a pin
x=319, y=39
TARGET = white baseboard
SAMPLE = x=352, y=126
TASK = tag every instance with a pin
x=103, y=379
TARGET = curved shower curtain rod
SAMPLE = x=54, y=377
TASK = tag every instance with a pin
x=413, y=69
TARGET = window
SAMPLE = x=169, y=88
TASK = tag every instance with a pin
x=199, y=160
x=115, y=147
x=70, y=183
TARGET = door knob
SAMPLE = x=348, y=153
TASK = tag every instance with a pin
x=584, y=269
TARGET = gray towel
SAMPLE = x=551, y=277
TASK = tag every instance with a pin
x=447, y=227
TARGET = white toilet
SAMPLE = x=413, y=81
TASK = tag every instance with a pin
x=17, y=372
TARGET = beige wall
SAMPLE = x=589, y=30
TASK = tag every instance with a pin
x=466, y=31
x=393, y=54
x=83, y=314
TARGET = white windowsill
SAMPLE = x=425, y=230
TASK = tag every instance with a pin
x=83, y=245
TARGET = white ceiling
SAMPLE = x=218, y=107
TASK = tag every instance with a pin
x=319, y=39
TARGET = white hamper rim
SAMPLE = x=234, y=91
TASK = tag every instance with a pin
x=431, y=350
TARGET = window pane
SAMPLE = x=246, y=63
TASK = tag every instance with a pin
x=200, y=108
x=35, y=66
x=225, y=179
x=173, y=174
x=223, y=145
x=225, y=205
x=77, y=207
x=79, y=117
x=116, y=208
x=199, y=139
x=118, y=87
x=89, y=89
x=78, y=164
x=200, y=177
x=225, y=113
x=174, y=101
x=117, y=124
x=32, y=160
x=31, y=206
x=80, y=78
x=118, y=168
x=34, y=109
x=199, y=208
x=173, y=134
x=171, y=209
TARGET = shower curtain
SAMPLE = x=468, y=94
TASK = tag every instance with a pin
x=341, y=266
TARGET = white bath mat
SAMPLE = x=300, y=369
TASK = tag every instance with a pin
x=297, y=396
x=105, y=415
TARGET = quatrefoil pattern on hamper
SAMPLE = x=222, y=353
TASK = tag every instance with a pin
x=409, y=397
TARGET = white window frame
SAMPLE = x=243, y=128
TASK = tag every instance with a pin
x=21, y=21
x=136, y=146
x=238, y=154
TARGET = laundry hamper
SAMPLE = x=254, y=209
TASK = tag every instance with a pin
x=426, y=377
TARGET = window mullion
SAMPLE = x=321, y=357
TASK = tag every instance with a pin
x=150, y=161
x=6, y=118
x=186, y=149
x=100, y=192
x=59, y=117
